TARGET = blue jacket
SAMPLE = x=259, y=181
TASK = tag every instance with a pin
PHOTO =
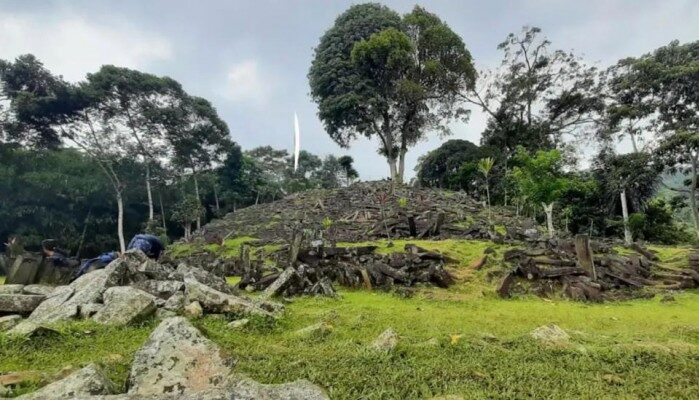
x=148, y=244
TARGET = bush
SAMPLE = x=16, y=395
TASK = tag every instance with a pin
x=657, y=224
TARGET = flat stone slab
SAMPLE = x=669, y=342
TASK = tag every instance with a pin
x=83, y=383
x=11, y=289
x=124, y=305
x=19, y=303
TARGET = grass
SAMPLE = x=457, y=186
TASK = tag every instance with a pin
x=462, y=341
x=229, y=249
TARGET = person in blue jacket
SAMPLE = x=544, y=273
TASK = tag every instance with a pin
x=150, y=245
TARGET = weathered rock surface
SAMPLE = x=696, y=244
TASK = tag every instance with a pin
x=43, y=290
x=215, y=301
x=177, y=359
x=387, y=341
x=175, y=302
x=11, y=289
x=83, y=383
x=89, y=309
x=204, y=277
x=550, y=334
x=321, y=329
x=193, y=310
x=247, y=389
x=123, y=305
x=163, y=289
x=238, y=323
x=9, y=321
x=19, y=303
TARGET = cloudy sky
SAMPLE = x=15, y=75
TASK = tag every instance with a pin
x=250, y=58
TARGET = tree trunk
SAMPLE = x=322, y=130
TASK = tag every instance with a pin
x=162, y=213
x=392, y=169
x=487, y=193
x=120, y=221
x=633, y=142
x=401, y=165
x=82, y=236
x=625, y=213
x=151, y=213
x=548, y=209
x=218, y=207
x=196, y=191
x=693, y=191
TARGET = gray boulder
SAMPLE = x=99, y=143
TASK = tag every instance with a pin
x=43, y=290
x=83, y=383
x=175, y=302
x=19, y=303
x=214, y=301
x=177, y=359
x=124, y=305
x=11, y=289
x=162, y=289
x=202, y=276
x=88, y=310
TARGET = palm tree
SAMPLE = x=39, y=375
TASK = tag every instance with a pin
x=485, y=165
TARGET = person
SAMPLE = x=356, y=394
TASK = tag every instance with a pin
x=98, y=262
x=150, y=245
x=55, y=255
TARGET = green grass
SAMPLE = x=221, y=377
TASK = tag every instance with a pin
x=462, y=340
x=635, y=349
x=229, y=249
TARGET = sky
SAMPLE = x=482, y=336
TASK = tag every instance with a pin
x=251, y=58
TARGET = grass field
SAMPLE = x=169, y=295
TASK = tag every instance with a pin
x=459, y=341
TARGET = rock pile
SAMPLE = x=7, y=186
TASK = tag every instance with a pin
x=586, y=270
x=366, y=211
x=314, y=270
x=128, y=289
x=176, y=362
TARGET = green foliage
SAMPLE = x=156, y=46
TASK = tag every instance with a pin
x=403, y=202
x=540, y=178
x=656, y=225
x=327, y=223
x=400, y=78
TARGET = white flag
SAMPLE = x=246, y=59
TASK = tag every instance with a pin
x=297, y=142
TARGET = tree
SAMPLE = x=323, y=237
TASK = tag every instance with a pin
x=541, y=179
x=132, y=99
x=629, y=176
x=350, y=174
x=485, y=165
x=453, y=165
x=377, y=75
x=537, y=96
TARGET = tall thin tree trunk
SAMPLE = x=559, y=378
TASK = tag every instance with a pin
x=625, y=214
x=82, y=236
x=151, y=212
x=120, y=220
x=196, y=190
x=401, y=164
x=633, y=142
x=392, y=169
x=218, y=207
x=162, y=212
x=693, y=191
x=487, y=193
x=548, y=209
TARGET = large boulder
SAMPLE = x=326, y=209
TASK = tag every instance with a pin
x=202, y=276
x=247, y=389
x=11, y=289
x=215, y=301
x=44, y=290
x=124, y=305
x=162, y=289
x=19, y=303
x=177, y=359
x=88, y=381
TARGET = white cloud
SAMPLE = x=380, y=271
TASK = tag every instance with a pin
x=246, y=83
x=72, y=46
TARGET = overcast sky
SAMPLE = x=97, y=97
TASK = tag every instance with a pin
x=251, y=58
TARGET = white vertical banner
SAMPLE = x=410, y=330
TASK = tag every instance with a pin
x=297, y=142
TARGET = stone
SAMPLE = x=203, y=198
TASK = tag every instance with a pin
x=163, y=289
x=202, y=276
x=162, y=313
x=193, y=310
x=89, y=309
x=19, y=303
x=175, y=302
x=550, y=334
x=64, y=302
x=387, y=341
x=11, y=289
x=124, y=305
x=154, y=270
x=88, y=381
x=214, y=301
x=177, y=359
x=318, y=330
x=280, y=283
x=9, y=321
x=43, y=290
x=238, y=323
